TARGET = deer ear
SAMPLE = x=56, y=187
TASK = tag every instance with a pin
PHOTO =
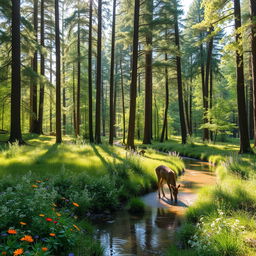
x=178, y=186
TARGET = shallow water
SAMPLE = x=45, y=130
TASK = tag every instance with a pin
x=152, y=233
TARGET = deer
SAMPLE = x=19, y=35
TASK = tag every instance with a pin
x=169, y=176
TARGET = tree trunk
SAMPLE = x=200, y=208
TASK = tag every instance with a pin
x=15, y=133
x=51, y=129
x=64, y=121
x=103, y=108
x=114, y=105
x=179, y=80
x=166, y=101
x=242, y=116
x=148, y=75
x=90, y=74
x=42, y=69
x=98, y=78
x=253, y=46
x=206, y=85
x=122, y=91
x=211, y=97
x=58, y=75
x=74, y=101
x=111, y=101
x=34, y=121
x=78, y=118
x=138, y=109
x=133, y=88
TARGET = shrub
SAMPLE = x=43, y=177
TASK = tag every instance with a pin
x=136, y=206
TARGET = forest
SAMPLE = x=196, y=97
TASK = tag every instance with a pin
x=101, y=100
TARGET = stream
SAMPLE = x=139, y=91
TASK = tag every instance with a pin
x=152, y=233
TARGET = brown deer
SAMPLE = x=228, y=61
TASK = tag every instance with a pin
x=169, y=176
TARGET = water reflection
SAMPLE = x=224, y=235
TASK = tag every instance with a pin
x=151, y=234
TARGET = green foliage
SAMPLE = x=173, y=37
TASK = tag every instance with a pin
x=136, y=206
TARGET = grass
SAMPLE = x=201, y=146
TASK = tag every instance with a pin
x=99, y=178
x=234, y=195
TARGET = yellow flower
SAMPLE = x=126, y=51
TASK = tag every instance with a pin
x=38, y=181
x=75, y=204
x=75, y=226
x=28, y=239
x=52, y=234
x=12, y=231
x=23, y=223
x=18, y=252
x=41, y=215
x=58, y=214
x=44, y=249
x=34, y=186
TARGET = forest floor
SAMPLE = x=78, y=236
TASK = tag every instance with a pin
x=67, y=183
x=79, y=179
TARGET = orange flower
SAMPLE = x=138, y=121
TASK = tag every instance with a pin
x=27, y=238
x=38, y=181
x=52, y=234
x=18, y=252
x=23, y=223
x=4, y=253
x=34, y=186
x=12, y=231
x=44, y=249
x=58, y=214
x=75, y=226
x=75, y=204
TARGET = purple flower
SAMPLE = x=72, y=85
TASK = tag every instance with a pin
x=4, y=234
x=44, y=239
x=36, y=237
x=71, y=254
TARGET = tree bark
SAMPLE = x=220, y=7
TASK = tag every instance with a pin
x=42, y=69
x=58, y=74
x=90, y=74
x=148, y=75
x=78, y=118
x=34, y=121
x=253, y=46
x=179, y=80
x=122, y=91
x=15, y=133
x=98, y=78
x=111, y=93
x=64, y=117
x=166, y=101
x=133, y=88
x=74, y=101
x=242, y=116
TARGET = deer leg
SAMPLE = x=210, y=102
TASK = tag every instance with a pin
x=170, y=191
x=162, y=187
x=158, y=186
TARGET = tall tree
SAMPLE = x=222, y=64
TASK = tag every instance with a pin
x=33, y=89
x=179, y=77
x=78, y=118
x=42, y=71
x=98, y=77
x=242, y=116
x=133, y=87
x=148, y=74
x=111, y=84
x=90, y=74
x=15, y=134
x=58, y=74
x=253, y=46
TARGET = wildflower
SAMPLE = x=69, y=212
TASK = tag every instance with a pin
x=58, y=214
x=52, y=234
x=12, y=231
x=18, y=252
x=75, y=204
x=55, y=222
x=36, y=237
x=28, y=239
x=75, y=226
x=48, y=219
x=4, y=253
x=41, y=215
x=23, y=223
x=34, y=186
x=71, y=254
x=53, y=204
x=4, y=234
x=38, y=181
x=44, y=249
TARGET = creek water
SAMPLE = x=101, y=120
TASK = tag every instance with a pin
x=152, y=233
